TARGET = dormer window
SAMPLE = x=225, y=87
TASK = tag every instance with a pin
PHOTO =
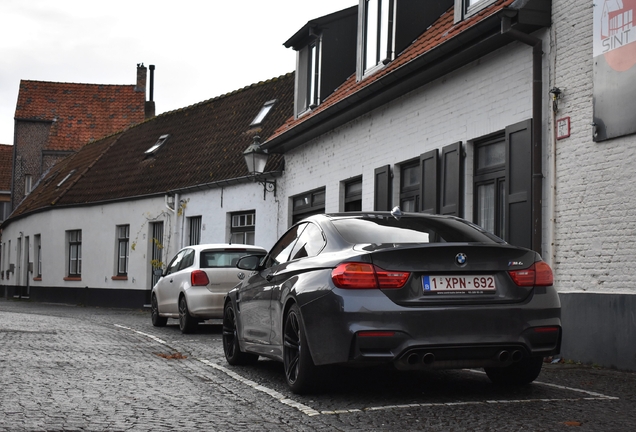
x=152, y=150
x=267, y=107
x=377, y=37
x=466, y=8
x=309, y=66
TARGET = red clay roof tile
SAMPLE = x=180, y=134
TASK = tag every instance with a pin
x=79, y=112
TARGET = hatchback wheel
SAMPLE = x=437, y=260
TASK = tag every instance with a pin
x=300, y=371
x=523, y=372
x=231, y=348
x=157, y=321
x=187, y=323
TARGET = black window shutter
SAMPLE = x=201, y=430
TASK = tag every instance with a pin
x=519, y=184
x=382, y=188
x=429, y=195
x=451, y=180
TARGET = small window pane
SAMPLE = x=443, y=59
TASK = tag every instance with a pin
x=486, y=207
x=491, y=155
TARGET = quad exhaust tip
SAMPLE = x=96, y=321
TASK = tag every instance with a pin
x=505, y=356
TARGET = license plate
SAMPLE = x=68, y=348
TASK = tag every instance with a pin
x=458, y=283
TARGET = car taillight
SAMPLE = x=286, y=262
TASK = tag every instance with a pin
x=199, y=278
x=538, y=274
x=367, y=276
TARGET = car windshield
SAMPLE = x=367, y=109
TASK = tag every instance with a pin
x=386, y=229
x=218, y=259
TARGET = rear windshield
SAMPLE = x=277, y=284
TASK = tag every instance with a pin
x=382, y=230
x=217, y=259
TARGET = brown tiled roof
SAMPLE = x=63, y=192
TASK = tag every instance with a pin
x=205, y=145
x=79, y=112
x=442, y=31
x=6, y=166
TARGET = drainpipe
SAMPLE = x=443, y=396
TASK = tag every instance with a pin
x=537, y=121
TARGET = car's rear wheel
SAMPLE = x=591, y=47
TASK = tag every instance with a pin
x=300, y=371
x=157, y=321
x=523, y=372
x=187, y=323
x=231, y=348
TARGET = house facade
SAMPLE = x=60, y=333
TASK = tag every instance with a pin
x=6, y=152
x=498, y=112
x=102, y=221
x=53, y=120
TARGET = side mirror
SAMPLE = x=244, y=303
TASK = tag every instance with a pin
x=157, y=272
x=249, y=262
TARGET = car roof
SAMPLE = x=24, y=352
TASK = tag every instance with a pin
x=224, y=246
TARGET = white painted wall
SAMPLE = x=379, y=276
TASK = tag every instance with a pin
x=99, y=236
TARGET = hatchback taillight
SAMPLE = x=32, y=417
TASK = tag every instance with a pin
x=538, y=274
x=199, y=278
x=367, y=276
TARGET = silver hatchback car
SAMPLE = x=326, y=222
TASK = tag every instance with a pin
x=195, y=283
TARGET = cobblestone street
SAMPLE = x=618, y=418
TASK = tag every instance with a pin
x=75, y=369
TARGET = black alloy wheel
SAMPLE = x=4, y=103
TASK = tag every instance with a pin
x=231, y=348
x=157, y=321
x=521, y=373
x=300, y=371
x=187, y=323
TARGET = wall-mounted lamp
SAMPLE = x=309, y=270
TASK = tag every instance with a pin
x=256, y=159
x=556, y=95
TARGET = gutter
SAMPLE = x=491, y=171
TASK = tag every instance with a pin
x=537, y=121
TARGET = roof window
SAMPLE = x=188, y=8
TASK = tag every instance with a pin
x=152, y=150
x=66, y=178
x=267, y=107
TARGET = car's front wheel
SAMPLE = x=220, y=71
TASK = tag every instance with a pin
x=231, y=348
x=157, y=321
x=301, y=373
x=187, y=323
x=520, y=373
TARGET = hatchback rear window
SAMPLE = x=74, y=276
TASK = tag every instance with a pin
x=382, y=230
x=220, y=259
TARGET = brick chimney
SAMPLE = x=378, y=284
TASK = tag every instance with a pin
x=141, y=78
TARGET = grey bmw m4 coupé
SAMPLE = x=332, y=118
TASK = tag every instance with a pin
x=412, y=290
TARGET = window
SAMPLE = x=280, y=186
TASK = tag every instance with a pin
x=74, y=253
x=28, y=184
x=378, y=34
x=37, y=245
x=308, y=76
x=467, y=8
x=410, y=186
x=223, y=259
x=195, y=230
x=5, y=210
x=123, y=235
x=242, y=228
x=353, y=195
x=267, y=107
x=308, y=204
x=161, y=141
x=281, y=251
x=66, y=178
x=490, y=185
x=156, y=251
x=309, y=244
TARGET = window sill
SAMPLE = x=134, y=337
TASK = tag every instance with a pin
x=73, y=278
x=38, y=278
x=120, y=278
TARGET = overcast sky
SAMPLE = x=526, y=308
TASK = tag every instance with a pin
x=200, y=48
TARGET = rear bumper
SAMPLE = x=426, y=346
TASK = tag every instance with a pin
x=204, y=304
x=433, y=336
